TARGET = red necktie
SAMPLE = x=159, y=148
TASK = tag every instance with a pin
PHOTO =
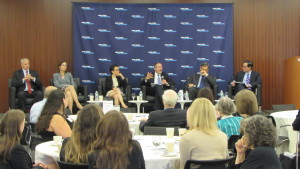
x=28, y=83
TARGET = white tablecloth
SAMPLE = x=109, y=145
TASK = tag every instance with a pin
x=133, y=120
x=287, y=118
x=154, y=159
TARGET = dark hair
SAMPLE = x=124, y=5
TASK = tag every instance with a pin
x=157, y=63
x=112, y=67
x=206, y=93
x=204, y=64
x=83, y=135
x=249, y=63
x=114, y=141
x=10, y=132
x=53, y=104
x=60, y=63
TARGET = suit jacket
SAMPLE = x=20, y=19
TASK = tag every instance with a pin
x=209, y=81
x=296, y=123
x=109, y=83
x=255, y=78
x=18, y=82
x=164, y=76
x=165, y=118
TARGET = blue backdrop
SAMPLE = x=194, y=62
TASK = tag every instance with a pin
x=135, y=36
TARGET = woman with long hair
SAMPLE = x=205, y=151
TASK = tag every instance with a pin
x=113, y=84
x=64, y=80
x=114, y=147
x=11, y=151
x=206, y=92
x=260, y=136
x=52, y=120
x=204, y=141
x=76, y=148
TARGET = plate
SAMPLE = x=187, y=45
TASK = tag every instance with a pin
x=170, y=155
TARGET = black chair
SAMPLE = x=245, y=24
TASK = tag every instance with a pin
x=231, y=142
x=82, y=91
x=149, y=130
x=208, y=164
x=13, y=100
x=4, y=165
x=258, y=93
x=65, y=165
x=149, y=98
x=102, y=90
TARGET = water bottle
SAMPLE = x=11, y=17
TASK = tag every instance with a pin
x=186, y=95
x=96, y=96
x=221, y=93
x=179, y=95
x=141, y=95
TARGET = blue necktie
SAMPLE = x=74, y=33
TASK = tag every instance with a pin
x=201, y=82
x=248, y=80
x=158, y=79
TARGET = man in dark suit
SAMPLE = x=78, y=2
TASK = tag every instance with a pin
x=246, y=79
x=27, y=83
x=156, y=82
x=199, y=81
x=169, y=117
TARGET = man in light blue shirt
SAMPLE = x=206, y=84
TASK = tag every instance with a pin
x=37, y=108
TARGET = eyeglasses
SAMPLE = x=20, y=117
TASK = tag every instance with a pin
x=245, y=66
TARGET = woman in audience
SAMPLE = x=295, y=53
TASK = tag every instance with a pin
x=246, y=103
x=64, y=80
x=259, y=136
x=113, y=84
x=204, y=141
x=76, y=148
x=206, y=93
x=114, y=147
x=11, y=151
x=52, y=120
x=229, y=124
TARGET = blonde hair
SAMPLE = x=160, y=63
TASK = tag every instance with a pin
x=246, y=102
x=202, y=116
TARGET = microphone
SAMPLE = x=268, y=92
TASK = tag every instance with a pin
x=162, y=77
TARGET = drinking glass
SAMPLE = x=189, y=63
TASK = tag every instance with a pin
x=133, y=95
x=156, y=141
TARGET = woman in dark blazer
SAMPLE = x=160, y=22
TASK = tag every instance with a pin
x=11, y=151
x=113, y=85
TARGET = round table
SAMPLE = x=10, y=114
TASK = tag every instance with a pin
x=287, y=118
x=154, y=157
x=138, y=103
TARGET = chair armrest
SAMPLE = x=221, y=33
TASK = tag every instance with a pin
x=258, y=94
x=215, y=92
x=128, y=92
x=100, y=91
x=12, y=97
x=82, y=90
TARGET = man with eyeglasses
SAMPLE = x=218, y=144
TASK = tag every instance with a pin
x=246, y=79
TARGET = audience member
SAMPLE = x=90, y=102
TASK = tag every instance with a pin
x=37, y=107
x=203, y=141
x=169, y=117
x=246, y=103
x=228, y=123
x=114, y=147
x=246, y=79
x=113, y=84
x=76, y=148
x=52, y=120
x=260, y=136
x=296, y=123
x=64, y=80
x=27, y=83
x=11, y=151
x=199, y=81
x=156, y=82
x=206, y=93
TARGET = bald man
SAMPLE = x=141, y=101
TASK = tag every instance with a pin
x=37, y=107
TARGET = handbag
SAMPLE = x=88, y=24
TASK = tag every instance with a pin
x=26, y=135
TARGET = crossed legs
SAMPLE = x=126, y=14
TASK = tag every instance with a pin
x=118, y=98
x=72, y=96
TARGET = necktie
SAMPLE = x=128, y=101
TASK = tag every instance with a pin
x=28, y=83
x=158, y=79
x=201, y=82
x=247, y=78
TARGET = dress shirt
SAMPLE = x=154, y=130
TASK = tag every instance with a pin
x=24, y=72
x=156, y=78
x=36, y=110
